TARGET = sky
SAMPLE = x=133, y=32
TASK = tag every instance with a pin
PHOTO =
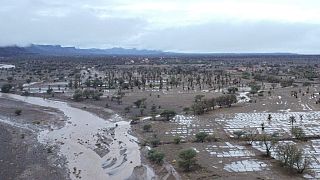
x=217, y=26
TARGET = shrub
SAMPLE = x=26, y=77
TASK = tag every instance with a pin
x=147, y=127
x=291, y=156
x=25, y=93
x=187, y=159
x=139, y=103
x=49, y=91
x=226, y=100
x=141, y=111
x=153, y=108
x=251, y=134
x=306, y=84
x=246, y=75
x=201, y=136
x=254, y=88
x=96, y=95
x=198, y=97
x=198, y=108
x=260, y=93
x=18, y=112
x=269, y=142
x=211, y=138
x=6, y=88
x=77, y=96
x=298, y=133
x=168, y=114
x=239, y=133
x=143, y=143
x=127, y=109
x=155, y=142
x=286, y=83
x=177, y=140
x=10, y=79
x=232, y=90
x=186, y=110
x=156, y=156
x=86, y=93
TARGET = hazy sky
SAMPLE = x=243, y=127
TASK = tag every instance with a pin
x=170, y=25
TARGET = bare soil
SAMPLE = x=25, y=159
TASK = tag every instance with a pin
x=21, y=155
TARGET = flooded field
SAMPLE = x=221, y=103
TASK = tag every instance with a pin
x=188, y=126
x=280, y=122
x=6, y=66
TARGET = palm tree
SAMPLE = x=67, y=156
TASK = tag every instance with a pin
x=292, y=120
x=262, y=126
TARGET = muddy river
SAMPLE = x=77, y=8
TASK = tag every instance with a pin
x=94, y=148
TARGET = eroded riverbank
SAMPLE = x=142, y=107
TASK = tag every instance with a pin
x=93, y=147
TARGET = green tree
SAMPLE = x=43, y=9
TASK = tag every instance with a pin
x=198, y=108
x=156, y=156
x=269, y=141
x=6, y=88
x=187, y=159
x=254, y=88
x=293, y=157
x=155, y=142
x=139, y=102
x=86, y=93
x=147, y=127
x=168, y=114
x=77, y=96
x=201, y=136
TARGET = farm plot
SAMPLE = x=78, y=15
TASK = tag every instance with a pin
x=188, y=126
x=236, y=158
x=279, y=122
x=228, y=150
x=248, y=165
x=311, y=150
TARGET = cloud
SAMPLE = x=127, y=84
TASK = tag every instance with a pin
x=172, y=13
x=183, y=25
x=59, y=26
x=237, y=37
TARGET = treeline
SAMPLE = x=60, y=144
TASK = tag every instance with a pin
x=273, y=79
x=206, y=105
x=79, y=95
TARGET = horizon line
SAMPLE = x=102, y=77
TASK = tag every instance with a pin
x=163, y=51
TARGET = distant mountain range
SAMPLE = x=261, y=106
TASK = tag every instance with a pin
x=57, y=50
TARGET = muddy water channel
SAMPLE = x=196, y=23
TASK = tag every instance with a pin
x=94, y=148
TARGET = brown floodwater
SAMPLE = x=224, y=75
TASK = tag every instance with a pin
x=78, y=140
